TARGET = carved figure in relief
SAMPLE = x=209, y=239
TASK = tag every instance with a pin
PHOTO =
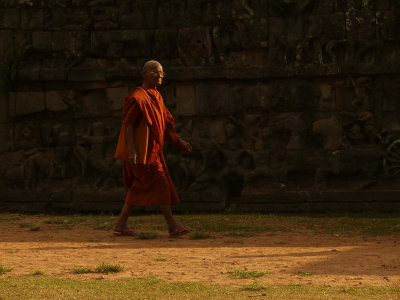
x=95, y=156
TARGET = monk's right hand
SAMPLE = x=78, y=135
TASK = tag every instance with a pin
x=133, y=159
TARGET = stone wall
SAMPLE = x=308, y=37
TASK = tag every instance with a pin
x=289, y=105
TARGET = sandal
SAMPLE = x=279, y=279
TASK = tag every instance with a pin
x=180, y=231
x=125, y=232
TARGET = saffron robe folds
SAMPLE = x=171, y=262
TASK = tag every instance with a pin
x=149, y=182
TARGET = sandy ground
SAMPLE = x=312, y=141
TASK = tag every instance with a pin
x=334, y=260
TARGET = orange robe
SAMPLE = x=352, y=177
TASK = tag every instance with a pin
x=149, y=183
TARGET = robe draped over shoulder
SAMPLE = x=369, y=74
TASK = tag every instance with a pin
x=149, y=183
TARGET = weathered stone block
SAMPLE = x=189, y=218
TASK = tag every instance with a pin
x=292, y=7
x=327, y=27
x=54, y=101
x=29, y=71
x=285, y=31
x=215, y=99
x=165, y=43
x=104, y=17
x=249, y=33
x=8, y=3
x=4, y=135
x=6, y=45
x=59, y=3
x=89, y=3
x=185, y=100
x=67, y=19
x=122, y=69
x=127, y=43
x=11, y=105
x=22, y=44
x=388, y=25
x=116, y=97
x=32, y=18
x=137, y=14
x=327, y=99
x=360, y=25
x=204, y=12
x=71, y=44
x=41, y=41
x=248, y=59
x=95, y=104
x=53, y=70
x=4, y=102
x=172, y=13
x=9, y=18
x=89, y=70
x=382, y=5
x=29, y=102
x=195, y=45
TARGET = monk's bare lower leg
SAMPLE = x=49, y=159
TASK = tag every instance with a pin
x=167, y=212
x=120, y=225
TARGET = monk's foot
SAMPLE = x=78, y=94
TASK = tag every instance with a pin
x=123, y=231
x=179, y=231
x=120, y=227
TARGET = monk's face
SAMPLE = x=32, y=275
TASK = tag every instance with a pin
x=153, y=75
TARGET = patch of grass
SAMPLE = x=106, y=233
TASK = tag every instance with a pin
x=104, y=226
x=44, y=287
x=239, y=234
x=81, y=270
x=199, y=235
x=147, y=235
x=160, y=259
x=38, y=272
x=339, y=223
x=4, y=270
x=105, y=269
x=93, y=240
x=58, y=221
x=255, y=286
x=24, y=225
x=244, y=274
x=304, y=274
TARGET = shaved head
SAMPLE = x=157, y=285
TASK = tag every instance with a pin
x=151, y=64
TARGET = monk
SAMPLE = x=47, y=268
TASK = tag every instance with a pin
x=146, y=124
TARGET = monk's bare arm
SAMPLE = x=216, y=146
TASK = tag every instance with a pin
x=130, y=140
x=184, y=146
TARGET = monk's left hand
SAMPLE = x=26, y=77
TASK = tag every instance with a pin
x=185, y=146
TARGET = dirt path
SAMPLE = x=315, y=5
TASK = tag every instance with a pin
x=332, y=260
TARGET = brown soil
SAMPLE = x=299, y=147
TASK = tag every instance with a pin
x=333, y=260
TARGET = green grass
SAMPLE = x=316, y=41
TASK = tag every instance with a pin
x=105, y=269
x=255, y=286
x=370, y=224
x=147, y=236
x=200, y=235
x=244, y=274
x=24, y=225
x=38, y=272
x=160, y=259
x=44, y=287
x=4, y=270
